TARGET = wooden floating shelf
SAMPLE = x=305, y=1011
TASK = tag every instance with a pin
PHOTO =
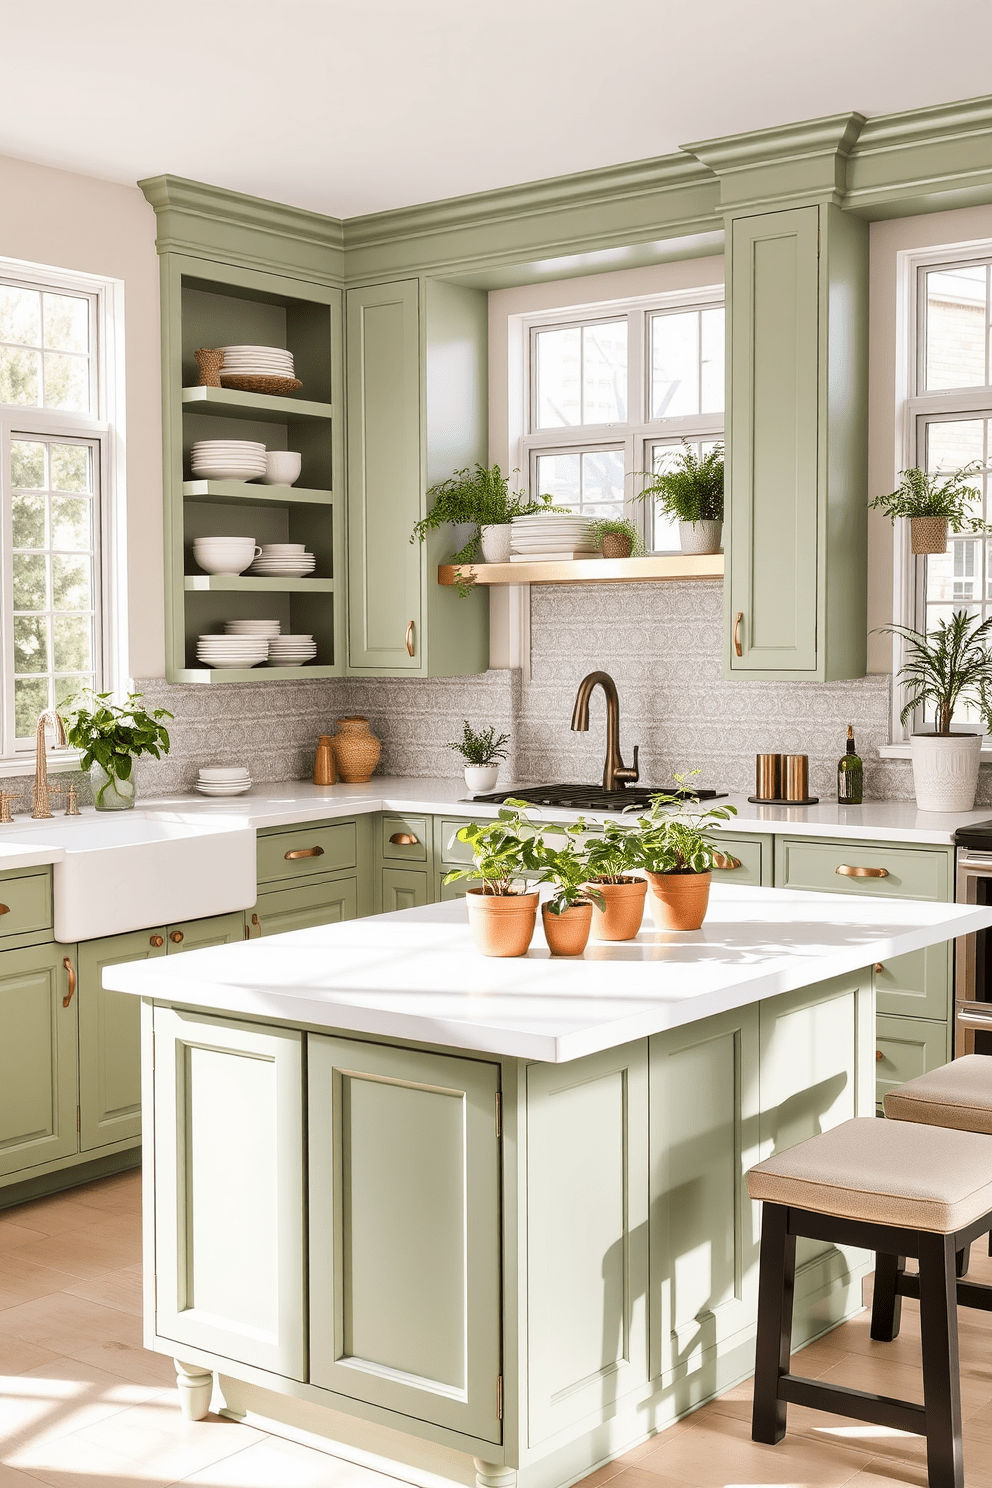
x=260, y=673
x=591, y=570
x=218, y=583
x=230, y=403
x=232, y=493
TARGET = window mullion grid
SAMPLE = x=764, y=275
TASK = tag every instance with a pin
x=7, y=730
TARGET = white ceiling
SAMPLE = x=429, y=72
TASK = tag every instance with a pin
x=352, y=106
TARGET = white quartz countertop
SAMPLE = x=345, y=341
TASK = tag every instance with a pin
x=416, y=975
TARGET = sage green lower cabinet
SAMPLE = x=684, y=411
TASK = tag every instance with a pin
x=110, y=1040
x=404, y=888
x=744, y=860
x=456, y=890
x=38, y=1058
x=321, y=901
x=405, y=1231
x=907, y=1047
x=196, y=935
x=229, y=1189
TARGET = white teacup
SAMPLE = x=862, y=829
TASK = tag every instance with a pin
x=282, y=467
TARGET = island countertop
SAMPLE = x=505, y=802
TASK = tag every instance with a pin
x=416, y=975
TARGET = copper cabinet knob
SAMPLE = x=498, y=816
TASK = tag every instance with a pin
x=847, y=871
x=879, y=967
x=4, y=909
x=404, y=839
x=176, y=936
x=878, y=1055
x=156, y=941
x=304, y=852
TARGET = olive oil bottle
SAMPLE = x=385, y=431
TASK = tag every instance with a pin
x=850, y=774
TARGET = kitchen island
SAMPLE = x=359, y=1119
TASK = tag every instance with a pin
x=461, y=1216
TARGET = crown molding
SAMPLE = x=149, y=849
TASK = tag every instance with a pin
x=922, y=160
x=784, y=166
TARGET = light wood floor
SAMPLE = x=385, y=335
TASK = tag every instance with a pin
x=83, y=1405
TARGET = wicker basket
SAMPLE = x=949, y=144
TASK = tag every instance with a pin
x=209, y=363
x=275, y=386
x=929, y=534
x=616, y=545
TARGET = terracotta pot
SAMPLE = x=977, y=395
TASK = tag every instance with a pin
x=929, y=534
x=567, y=933
x=621, y=916
x=616, y=545
x=679, y=901
x=356, y=750
x=502, y=924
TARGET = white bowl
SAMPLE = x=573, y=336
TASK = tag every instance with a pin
x=282, y=467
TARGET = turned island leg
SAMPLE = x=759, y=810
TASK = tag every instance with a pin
x=195, y=1387
x=493, y=1474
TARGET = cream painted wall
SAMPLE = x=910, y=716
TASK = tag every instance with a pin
x=76, y=222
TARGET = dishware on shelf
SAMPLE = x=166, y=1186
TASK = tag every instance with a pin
x=259, y=369
x=232, y=651
x=223, y=780
x=551, y=535
x=266, y=628
x=225, y=555
x=227, y=459
x=283, y=560
x=292, y=650
x=282, y=467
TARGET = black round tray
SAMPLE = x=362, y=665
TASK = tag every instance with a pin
x=780, y=801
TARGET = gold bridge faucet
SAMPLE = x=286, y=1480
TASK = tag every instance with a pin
x=615, y=773
x=40, y=794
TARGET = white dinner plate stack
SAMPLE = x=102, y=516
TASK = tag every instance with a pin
x=227, y=459
x=284, y=560
x=232, y=650
x=547, y=536
x=292, y=650
x=223, y=780
x=256, y=361
x=258, y=628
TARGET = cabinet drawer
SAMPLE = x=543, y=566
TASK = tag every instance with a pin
x=748, y=853
x=25, y=903
x=449, y=849
x=404, y=838
x=905, y=1048
x=917, y=985
x=298, y=854
x=303, y=906
x=909, y=873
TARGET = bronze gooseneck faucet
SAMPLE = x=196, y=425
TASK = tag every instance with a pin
x=615, y=773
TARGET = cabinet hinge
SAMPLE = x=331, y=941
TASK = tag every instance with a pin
x=499, y=1397
x=79, y=1119
x=499, y=1115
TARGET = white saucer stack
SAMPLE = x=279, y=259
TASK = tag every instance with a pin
x=284, y=560
x=550, y=537
x=223, y=780
x=227, y=459
x=291, y=650
x=232, y=650
x=256, y=361
x=258, y=629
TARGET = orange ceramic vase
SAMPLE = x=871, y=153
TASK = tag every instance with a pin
x=567, y=933
x=679, y=900
x=623, y=910
x=502, y=924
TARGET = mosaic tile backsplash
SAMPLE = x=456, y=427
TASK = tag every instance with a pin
x=660, y=642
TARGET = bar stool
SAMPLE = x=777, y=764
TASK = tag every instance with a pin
x=899, y=1189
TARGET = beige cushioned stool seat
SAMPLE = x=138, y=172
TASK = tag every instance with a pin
x=957, y=1094
x=886, y=1172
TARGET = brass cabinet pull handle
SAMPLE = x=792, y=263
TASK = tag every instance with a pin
x=176, y=936
x=737, y=632
x=724, y=860
x=256, y=921
x=879, y=967
x=304, y=852
x=4, y=909
x=404, y=839
x=71, y=972
x=878, y=1055
x=847, y=871
x=156, y=941
x=409, y=639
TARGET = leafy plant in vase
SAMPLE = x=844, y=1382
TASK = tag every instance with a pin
x=481, y=752
x=567, y=915
x=948, y=668
x=691, y=491
x=679, y=856
x=482, y=498
x=112, y=736
x=611, y=859
x=933, y=502
x=504, y=853
x=616, y=537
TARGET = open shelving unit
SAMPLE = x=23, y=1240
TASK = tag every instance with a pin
x=658, y=566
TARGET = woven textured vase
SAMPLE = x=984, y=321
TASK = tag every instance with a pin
x=209, y=363
x=929, y=534
x=357, y=751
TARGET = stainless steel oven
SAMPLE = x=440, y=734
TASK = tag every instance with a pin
x=973, y=953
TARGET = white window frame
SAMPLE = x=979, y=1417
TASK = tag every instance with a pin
x=104, y=427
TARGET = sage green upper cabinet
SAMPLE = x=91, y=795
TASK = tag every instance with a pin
x=416, y=394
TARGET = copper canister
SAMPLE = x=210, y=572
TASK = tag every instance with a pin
x=795, y=775
x=768, y=776
x=324, y=768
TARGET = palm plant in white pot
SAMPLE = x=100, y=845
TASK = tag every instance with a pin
x=949, y=668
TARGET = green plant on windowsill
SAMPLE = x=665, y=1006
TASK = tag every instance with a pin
x=948, y=667
x=692, y=489
x=481, y=496
x=626, y=538
x=112, y=736
x=933, y=502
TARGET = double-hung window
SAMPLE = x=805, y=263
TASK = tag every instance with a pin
x=611, y=393
x=55, y=454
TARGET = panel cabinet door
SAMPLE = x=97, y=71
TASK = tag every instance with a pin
x=905, y=1048
x=229, y=1189
x=384, y=477
x=405, y=1231
x=303, y=906
x=194, y=935
x=403, y=888
x=772, y=443
x=917, y=985
x=110, y=1040
x=38, y=1060
x=587, y=1247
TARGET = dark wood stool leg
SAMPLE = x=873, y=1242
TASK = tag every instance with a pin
x=886, y=1304
x=941, y=1380
x=776, y=1285
x=962, y=1261
x=990, y=1242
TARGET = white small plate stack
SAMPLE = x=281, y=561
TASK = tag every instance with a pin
x=258, y=629
x=550, y=535
x=232, y=650
x=228, y=459
x=284, y=560
x=256, y=361
x=223, y=780
x=292, y=650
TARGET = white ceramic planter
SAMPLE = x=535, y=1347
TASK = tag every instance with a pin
x=496, y=543
x=945, y=770
x=481, y=778
x=700, y=537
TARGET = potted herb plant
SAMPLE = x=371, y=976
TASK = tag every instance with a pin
x=481, y=752
x=567, y=915
x=691, y=491
x=502, y=915
x=616, y=537
x=679, y=857
x=947, y=668
x=933, y=503
x=112, y=736
x=611, y=859
x=481, y=497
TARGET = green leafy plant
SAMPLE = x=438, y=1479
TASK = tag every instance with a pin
x=564, y=863
x=612, y=856
x=114, y=735
x=692, y=490
x=600, y=527
x=482, y=748
x=674, y=833
x=950, y=666
x=504, y=851
x=482, y=496
x=922, y=493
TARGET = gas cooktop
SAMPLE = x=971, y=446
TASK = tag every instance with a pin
x=594, y=797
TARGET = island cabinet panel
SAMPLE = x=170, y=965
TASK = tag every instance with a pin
x=405, y=1231
x=110, y=1039
x=229, y=1192
x=587, y=1243
x=38, y=1068
x=704, y=1137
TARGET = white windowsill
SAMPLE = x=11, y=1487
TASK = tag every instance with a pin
x=23, y=764
x=903, y=751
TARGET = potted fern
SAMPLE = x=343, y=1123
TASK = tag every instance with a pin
x=505, y=853
x=483, y=499
x=948, y=668
x=481, y=752
x=933, y=502
x=679, y=857
x=692, y=492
